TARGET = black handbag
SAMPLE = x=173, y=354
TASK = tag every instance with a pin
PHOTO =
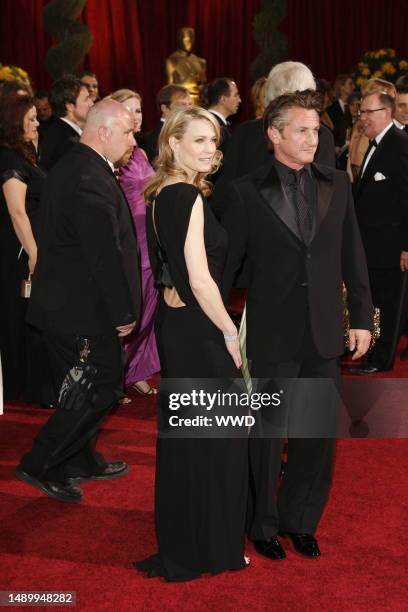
x=78, y=385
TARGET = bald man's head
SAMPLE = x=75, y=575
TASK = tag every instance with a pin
x=104, y=113
x=109, y=129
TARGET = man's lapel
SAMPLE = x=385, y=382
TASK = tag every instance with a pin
x=271, y=191
x=324, y=181
x=368, y=171
x=372, y=164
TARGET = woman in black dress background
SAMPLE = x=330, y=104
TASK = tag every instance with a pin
x=21, y=184
x=201, y=484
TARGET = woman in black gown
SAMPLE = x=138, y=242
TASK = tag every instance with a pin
x=21, y=184
x=201, y=484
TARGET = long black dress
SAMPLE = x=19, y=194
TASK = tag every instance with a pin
x=18, y=343
x=201, y=484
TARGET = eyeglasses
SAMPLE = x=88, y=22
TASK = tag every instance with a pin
x=369, y=111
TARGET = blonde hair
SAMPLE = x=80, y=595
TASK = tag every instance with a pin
x=379, y=86
x=121, y=95
x=258, y=96
x=165, y=164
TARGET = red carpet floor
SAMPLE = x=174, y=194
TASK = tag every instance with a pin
x=88, y=548
x=48, y=545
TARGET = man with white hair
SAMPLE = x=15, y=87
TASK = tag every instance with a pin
x=85, y=296
x=248, y=149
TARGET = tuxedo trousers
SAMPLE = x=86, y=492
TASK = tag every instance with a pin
x=65, y=446
x=294, y=504
x=389, y=291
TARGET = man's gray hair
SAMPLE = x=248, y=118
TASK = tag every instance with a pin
x=288, y=77
x=385, y=98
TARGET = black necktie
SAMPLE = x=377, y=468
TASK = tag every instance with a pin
x=406, y=128
x=304, y=217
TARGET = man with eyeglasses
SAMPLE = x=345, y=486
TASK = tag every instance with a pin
x=381, y=197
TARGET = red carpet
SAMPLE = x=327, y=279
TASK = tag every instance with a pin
x=89, y=548
x=47, y=545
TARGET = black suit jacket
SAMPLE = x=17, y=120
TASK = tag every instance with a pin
x=225, y=136
x=87, y=275
x=382, y=205
x=290, y=281
x=58, y=140
x=44, y=127
x=341, y=121
x=151, y=142
x=225, y=133
x=248, y=150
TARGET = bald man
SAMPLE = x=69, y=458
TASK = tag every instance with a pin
x=85, y=294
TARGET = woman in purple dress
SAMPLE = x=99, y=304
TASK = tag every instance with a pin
x=141, y=349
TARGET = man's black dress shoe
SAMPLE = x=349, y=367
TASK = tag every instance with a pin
x=365, y=368
x=63, y=491
x=270, y=548
x=305, y=544
x=114, y=469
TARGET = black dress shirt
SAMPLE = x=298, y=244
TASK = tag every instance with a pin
x=310, y=188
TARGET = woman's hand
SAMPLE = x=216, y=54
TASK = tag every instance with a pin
x=232, y=345
x=125, y=330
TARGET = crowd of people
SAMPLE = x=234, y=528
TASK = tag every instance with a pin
x=119, y=246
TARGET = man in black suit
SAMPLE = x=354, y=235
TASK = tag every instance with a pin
x=169, y=98
x=86, y=290
x=222, y=99
x=295, y=221
x=381, y=194
x=248, y=148
x=70, y=102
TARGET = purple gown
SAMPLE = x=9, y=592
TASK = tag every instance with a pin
x=141, y=349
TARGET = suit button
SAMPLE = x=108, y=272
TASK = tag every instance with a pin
x=303, y=284
x=309, y=256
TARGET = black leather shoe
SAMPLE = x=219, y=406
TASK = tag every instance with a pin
x=366, y=368
x=114, y=469
x=305, y=544
x=270, y=548
x=63, y=491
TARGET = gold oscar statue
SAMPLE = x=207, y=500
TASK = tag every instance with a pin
x=183, y=67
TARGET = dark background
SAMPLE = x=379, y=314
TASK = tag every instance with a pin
x=132, y=38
